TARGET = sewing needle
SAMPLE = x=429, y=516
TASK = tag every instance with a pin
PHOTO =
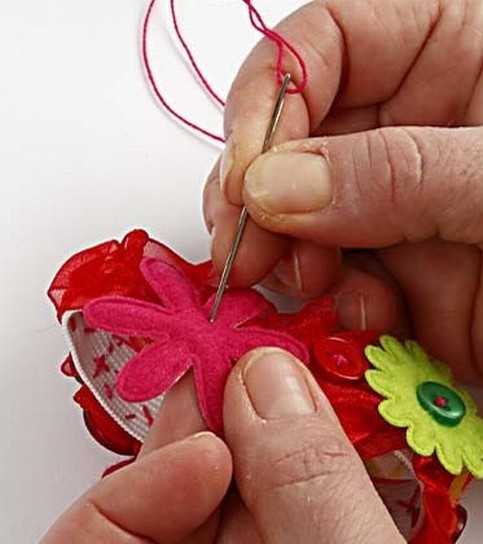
x=272, y=127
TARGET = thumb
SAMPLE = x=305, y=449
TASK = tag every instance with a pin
x=372, y=189
x=296, y=471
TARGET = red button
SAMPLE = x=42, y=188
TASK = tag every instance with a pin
x=340, y=358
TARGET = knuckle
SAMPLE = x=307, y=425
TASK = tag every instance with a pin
x=397, y=165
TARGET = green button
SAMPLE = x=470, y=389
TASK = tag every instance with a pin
x=443, y=403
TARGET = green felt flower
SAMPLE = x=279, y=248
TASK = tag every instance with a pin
x=420, y=395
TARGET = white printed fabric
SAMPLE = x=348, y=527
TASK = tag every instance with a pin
x=98, y=357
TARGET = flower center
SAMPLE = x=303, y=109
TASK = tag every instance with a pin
x=442, y=403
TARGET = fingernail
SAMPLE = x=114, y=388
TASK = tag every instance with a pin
x=200, y=436
x=351, y=310
x=289, y=182
x=227, y=161
x=276, y=386
x=287, y=272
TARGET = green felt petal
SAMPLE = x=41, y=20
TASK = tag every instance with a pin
x=379, y=358
x=470, y=441
x=396, y=413
x=449, y=453
x=379, y=381
x=473, y=460
x=442, y=371
x=395, y=349
x=420, y=438
x=415, y=351
x=468, y=400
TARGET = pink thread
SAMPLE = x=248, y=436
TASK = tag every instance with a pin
x=192, y=60
x=257, y=22
x=280, y=42
x=154, y=86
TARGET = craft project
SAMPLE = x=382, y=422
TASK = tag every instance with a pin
x=136, y=318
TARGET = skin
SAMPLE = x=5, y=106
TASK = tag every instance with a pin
x=374, y=192
x=297, y=476
x=388, y=82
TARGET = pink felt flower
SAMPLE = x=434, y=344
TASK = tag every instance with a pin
x=183, y=338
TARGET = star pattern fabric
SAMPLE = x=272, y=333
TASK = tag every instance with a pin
x=182, y=338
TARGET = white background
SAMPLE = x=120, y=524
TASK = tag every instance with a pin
x=86, y=155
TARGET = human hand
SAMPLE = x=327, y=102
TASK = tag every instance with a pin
x=412, y=195
x=298, y=477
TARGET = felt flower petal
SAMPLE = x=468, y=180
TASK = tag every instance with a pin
x=450, y=457
x=172, y=287
x=125, y=316
x=244, y=340
x=380, y=382
x=153, y=371
x=473, y=461
x=395, y=413
x=210, y=381
x=421, y=439
x=237, y=307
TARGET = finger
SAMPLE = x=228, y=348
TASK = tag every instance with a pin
x=439, y=89
x=296, y=471
x=178, y=417
x=360, y=55
x=160, y=498
x=237, y=524
x=439, y=281
x=365, y=302
x=259, y=250
x=372, y=189
x=348, y=120
x=306, y=270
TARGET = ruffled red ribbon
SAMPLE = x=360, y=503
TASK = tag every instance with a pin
x=336, y=360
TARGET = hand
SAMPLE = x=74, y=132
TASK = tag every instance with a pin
x=164, y=496
x=298, y=477
x=358, y=172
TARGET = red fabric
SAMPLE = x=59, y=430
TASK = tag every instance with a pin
x=183, y=337
x=336, y=358
x=103, y=428
x=112, y=268
x=444, y=519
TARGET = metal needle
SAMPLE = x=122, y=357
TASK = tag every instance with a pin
x=272, y=127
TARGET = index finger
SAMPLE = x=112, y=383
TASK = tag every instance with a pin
x=355, y=57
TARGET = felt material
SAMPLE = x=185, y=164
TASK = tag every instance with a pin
x=399, y=370
x=183, y=337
